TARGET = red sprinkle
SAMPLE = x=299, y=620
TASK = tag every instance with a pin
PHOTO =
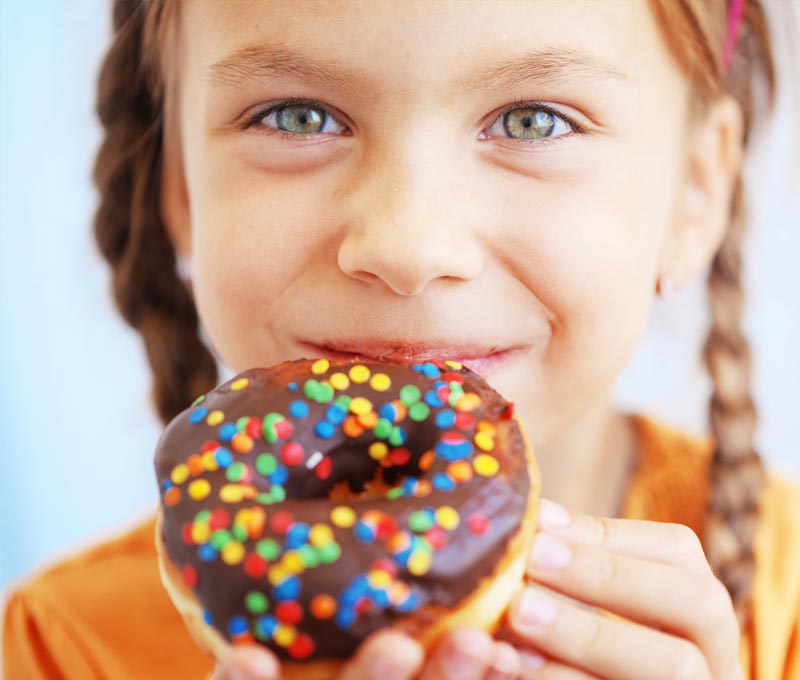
x=289, y=612
x=189, y=576
x=436, y=538
x=387, y=525
x=478, y=524
x=363, y=604
x=209, y=445
x=255, y=566
x=324, y=467
x=508, y=414
x=284, y=429
x=254, y=428
x=453, y=377
x=292, y=454
x=399, y=456
x=385, y=564
x=219, y=519
x=465, y=420
x=186, y=533
x=281, y=520
x=302, y=647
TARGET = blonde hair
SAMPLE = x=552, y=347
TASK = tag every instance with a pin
x=155, y=301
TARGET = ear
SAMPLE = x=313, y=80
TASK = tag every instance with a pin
x=174, y=206
x=715, y=150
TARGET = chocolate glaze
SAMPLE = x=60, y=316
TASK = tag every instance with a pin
x=456, y=569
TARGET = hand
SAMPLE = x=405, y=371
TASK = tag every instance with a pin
x=463, y=654
x=681, y=619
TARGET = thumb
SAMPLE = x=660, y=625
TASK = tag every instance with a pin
x=249, y=662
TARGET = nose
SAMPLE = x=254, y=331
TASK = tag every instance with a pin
x=410, y=229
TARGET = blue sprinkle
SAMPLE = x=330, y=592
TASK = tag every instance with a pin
x=401, y=558
x=324, y=429
x=297, y=535
x=293, y=386
x=453, y=451
x=198, y=415
x=166, y=485
x=409, y=486
x=267, y=624
x=336, y=414
x=380, y=597
x=360, y=584
x=345, y=617
x=440, y=383
x=417, y=368
x=279, y=476
x=237, y=625
x=364, y=532
x=430, y=370
x=442, y=482
x=388, y=412
x=446, y=418
x=288, y=590
x=298, y=409
x=207, y=617
x=223, y=457
x=227, y=432
x=206, y=552
x=432, y=399
x=411, y=603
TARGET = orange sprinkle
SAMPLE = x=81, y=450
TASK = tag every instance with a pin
x=460, y=470
x=401, y=409
x=368, y=420
x=426, y=460
x=486, y=426
x=323, y=606
x=468, y=402
x=257, y=521
x=351, y=427
x=172, y=496
x=242, y=443
x=423, y=488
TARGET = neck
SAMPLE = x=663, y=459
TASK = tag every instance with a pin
x=586, y=467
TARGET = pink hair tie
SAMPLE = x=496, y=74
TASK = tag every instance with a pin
x=735, y=15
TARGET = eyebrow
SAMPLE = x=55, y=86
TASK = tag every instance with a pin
x=546, y=64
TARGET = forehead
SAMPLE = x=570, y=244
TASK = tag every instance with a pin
x=442, y=45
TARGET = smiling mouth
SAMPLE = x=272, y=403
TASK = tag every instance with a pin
x=482, y=359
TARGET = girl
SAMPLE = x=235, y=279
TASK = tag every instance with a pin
x=503, y=183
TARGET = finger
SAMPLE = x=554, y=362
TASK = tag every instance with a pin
x=694, y=605
x=611, y=648
x=535, y=667
x=250, y=662
x=385, y=654
x=659, y=541
x=506, y=664
x=463, y=654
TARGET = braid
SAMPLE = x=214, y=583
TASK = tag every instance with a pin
x=737, y=473
x=128, y=227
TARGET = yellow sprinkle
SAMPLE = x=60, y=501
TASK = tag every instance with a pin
x=200, y=532
x=231, y=493
x=292, y=562
x=447, y=517
x=468, y=402
x=484, y=441
x=276, y=575
x=242, y=517
x=320, y=535
x=233, y=552
x=215, y=418
x=378, y=450
x=419, y=562
x=284, y=635
x=239, y=384
x=320, y=366
x=209, y=461
x=180, y=473
x=380, y=382
x=359, y=373
x=343, y=516
x=360, y=406
x=339, y=381
x=486, y=465
x=378, y=578
x=199, y=489
x=453, y=364
x=486, y=426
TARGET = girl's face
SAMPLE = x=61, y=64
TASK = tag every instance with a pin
x=496, y=181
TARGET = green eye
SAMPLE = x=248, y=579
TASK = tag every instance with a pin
x=300, y=119
x=528, y=123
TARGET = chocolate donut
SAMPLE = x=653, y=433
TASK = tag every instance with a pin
x=306, y=505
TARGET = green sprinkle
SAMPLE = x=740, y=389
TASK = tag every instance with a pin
x=397, y=436
x=311, y=389
x=383, y=428
x=239, y=532
x=266, y=464
x=264, y=498
x=268, y=549
x=256, y=603
x=419, y=411
x=409, y=394
x=278, y=494
x=220, y=538
x=235, y=471
x=344, y=400
x=269, y=434
x=325, y=393
x=420, y=521
x=397, y=492
x=242, y=423
x=328, y=554
x=309, y=555
x=202, y=516
x=199, y=400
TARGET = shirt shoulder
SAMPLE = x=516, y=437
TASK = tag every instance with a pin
x=101, y=613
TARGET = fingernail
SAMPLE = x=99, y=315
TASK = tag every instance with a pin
x=536, y=608
x=459, y=662
x=531, y=661
x=552, y=515
x=550, y=553
x=385, y=669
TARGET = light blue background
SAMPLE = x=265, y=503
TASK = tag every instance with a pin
x=77, y=430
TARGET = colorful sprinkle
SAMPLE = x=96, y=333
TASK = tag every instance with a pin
x=320, y=366
x=359, y=373
x=239, y=384
x=343, y=516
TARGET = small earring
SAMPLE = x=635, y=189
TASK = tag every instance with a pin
x=666, y=287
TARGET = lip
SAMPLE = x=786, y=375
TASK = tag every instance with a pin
x=483, y=359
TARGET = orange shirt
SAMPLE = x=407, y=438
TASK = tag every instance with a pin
x=104, y=613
